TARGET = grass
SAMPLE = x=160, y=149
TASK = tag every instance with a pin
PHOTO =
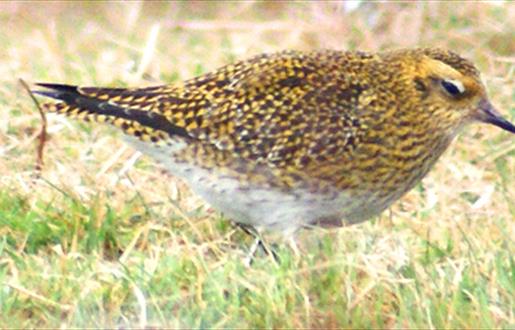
x=105, y=238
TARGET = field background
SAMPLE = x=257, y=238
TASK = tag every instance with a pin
x=105, y=238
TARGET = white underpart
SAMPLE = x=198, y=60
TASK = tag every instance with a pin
x=260, y=207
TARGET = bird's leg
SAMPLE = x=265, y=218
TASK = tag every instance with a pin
x=247, y=229
x=249, y=258
x=269, y=250
x=258, y=243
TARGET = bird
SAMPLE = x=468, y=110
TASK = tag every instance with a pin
x=293, y=139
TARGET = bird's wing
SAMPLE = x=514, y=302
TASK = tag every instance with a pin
x=285, y=109
x=128, y=109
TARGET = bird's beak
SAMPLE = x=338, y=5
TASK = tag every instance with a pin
x=487, y=114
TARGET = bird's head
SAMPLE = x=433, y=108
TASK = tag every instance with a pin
x=451, y=89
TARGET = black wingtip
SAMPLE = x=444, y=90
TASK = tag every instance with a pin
x=58, y=87
x=71, y=96
x=57, y=91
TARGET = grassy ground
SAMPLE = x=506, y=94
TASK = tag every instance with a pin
x=105, y=238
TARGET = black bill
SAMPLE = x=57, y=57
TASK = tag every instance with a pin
x=488, y=114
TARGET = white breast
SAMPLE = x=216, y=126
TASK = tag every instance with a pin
x=267, y=208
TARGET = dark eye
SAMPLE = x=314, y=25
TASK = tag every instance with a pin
x=454, y=88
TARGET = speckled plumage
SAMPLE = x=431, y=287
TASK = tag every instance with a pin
x=295, y=139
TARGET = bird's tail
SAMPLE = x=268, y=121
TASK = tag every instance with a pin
x=127, y=109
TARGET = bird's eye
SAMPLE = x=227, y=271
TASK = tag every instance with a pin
x=453, y=87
